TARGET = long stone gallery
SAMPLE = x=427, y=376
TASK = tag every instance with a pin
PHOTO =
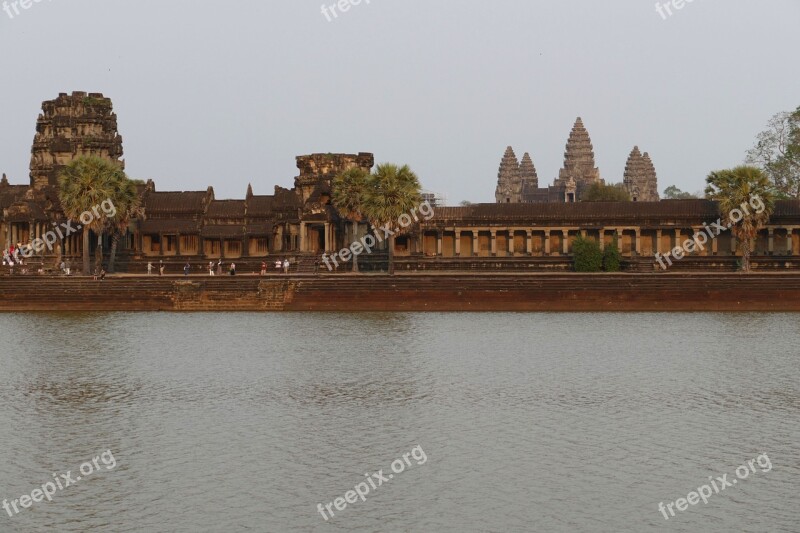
x=528, y=229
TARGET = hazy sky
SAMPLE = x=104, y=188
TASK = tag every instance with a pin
x=227, y=93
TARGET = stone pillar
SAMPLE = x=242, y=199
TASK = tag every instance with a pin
x=638, y=232
x=547, y=242
x=677, y=238
x=327, y=236
x=475, y=243
x=583, y=233
x=439, y=237
x=161, y=244
x=493, y=243
x=565, y=241
x=511, y=242
x=303, y=237
x=458, y=242
x=659, y=235
x=178, y=244
x=602, y=240
x=790, y=241
x=529, y=242
x=771, y=248
x=222, y=248
x=714, y=246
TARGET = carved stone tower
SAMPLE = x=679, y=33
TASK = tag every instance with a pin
x=640, y=178
x=69, y=127
x=509, y=185
x=579, y=163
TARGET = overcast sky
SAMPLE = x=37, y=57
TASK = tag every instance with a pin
x=228, y=93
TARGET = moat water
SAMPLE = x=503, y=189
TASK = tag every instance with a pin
x=528, y=422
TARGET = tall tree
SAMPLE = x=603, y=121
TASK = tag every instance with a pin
x=746, y=200
x=349, y=189
x=674, y=193
x=392, y=192
x=777, y=153
x=84, y=185
x=600, y=192
x=128, y=203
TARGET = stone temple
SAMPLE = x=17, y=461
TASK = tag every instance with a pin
x=527, y=228
x=517, y=182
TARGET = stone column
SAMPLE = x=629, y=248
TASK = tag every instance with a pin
x=221, y=248
x=547, y=242
x=565, y=241
x=602, y=240
x=439, y=237
x=327, y=236
x=771, y=248
x=638, y=232
x=458, y=242
x=511, y=242
x=493, y=242
x=178, y=244
x=659, y=235
x=677, y=238
x=303, y=237
x=715, y=246
x=161, y=243
x=475, y=243
x=790, y=241
x=529, y=242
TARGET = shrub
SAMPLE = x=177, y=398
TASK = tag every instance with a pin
x=612, y=257
x=587, y=256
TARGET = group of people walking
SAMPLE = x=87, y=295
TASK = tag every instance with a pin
x=216, y=268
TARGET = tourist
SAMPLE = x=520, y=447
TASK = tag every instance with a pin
x=211, y=268
x=102, y=274
x=68, y=267
x=149, y=268
x=233, y=269
x=161, y=268
x=316, y=266
x=263, y=268
x=186, y=269
x=94, y=275
x=286, y=266
x=63, y=268
x=219, y=267
x=278, y=265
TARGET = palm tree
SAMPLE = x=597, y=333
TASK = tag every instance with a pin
x=392, y=191
x=746, y=200
x=349, y=188
x=128, y=206
x=85, y=183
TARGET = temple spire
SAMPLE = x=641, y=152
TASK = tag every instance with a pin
x=4, y=181
x=509, y=187
x=579, y=161
x=527, y=173
x=640, y=177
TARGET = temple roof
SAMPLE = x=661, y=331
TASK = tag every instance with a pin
x=226, y=209
x=185, y=227
x=167, y=203
x=230, y=231
x=599, y=212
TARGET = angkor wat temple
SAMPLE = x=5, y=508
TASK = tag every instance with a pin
x=518, y=182
x=528, y=228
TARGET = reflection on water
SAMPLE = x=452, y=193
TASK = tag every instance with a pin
x=531, y=422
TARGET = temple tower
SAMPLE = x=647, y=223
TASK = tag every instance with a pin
x=509, y=184
x=318, y=170
x=71, y=126
x=579, y=164
x=640, y=178
x=527, y=173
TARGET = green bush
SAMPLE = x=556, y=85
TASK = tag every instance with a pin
x=587, y=256
x=612, y=257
